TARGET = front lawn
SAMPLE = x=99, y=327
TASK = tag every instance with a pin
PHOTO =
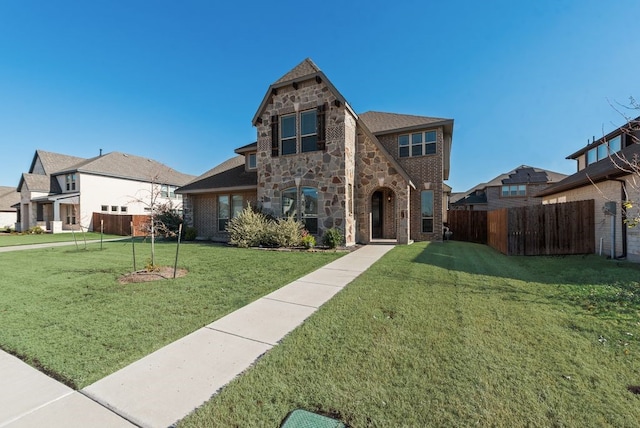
x=456, y=334
x=64, y=311
x=9, y=239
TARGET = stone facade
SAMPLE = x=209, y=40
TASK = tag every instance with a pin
x=330, y=171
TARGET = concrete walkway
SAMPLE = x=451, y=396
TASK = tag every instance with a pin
x=165, y=386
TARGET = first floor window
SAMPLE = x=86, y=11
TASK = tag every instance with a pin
x=223, y=212
x=114, y=208
x=104, y=208
x=70, y=214
x=123, y=209
x=302, y=206
x=427, y=211
x=229, y=206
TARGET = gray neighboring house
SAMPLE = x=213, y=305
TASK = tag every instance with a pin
x=9, y=202
x=60, y=193
x=515, y=188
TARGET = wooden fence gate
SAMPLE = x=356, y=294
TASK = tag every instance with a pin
x=469, y=226
x=553, y=229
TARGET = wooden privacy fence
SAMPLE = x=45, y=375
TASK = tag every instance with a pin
x=553, y=229
x=469, y=226
x=120, y=224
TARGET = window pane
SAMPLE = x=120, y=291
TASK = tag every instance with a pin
x=288, y=126
x=311, y=224
x=288, y=146
x=404, y=152
x=308, y=122
x=427, y=203
x=252, y=160
x=427, y=225
x=614, y=144
x=505, y=190
x=403, y=140
x=309, y=144
x=289, y=203
x=522, y=190
x=602, y=151
x=236, y=205
x=309, y=204
x=430, y=137
x=430, y=149
x=513, y=190
x=416, y=138
x=591, y=156
x=416, y=150
x=223, y=206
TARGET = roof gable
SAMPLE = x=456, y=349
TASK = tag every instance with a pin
x=229, y=174
x=305, y=68
x=52, y=162
x=8, y=197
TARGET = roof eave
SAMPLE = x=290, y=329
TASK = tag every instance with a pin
x=217, y=189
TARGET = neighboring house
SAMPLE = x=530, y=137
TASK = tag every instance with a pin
x=372, y=175
x=9, y=198
x=603, y=177
x=60, y=192
x=516, y=188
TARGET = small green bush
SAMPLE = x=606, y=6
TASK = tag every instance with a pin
x=190, y=233
x=35, y=230
x=308, y=241
x=332, y=237
x=248, y=229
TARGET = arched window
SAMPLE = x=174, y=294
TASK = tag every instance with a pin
x=302, y=205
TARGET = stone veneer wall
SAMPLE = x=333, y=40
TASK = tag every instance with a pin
x=201, y=212
x=329, y=171
x=426, y=172
x=372, y=166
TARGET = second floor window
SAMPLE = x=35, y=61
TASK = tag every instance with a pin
x=605, y=149
x=514, y=190
x=71, y=182
x=298, y=132
x=251, y=161
x=417, y=144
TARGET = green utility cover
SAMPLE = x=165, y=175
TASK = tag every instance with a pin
x=304, y=419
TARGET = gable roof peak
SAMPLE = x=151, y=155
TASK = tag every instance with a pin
x=306, y=68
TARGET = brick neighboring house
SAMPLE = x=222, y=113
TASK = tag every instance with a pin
x=600, y=177
x=61, y=192
x=374, y=175
x=516, y=188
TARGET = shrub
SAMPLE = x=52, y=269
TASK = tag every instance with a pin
x=332, y=237
x=190, y=233
x=248, y=228
x=36, y=230
x=308, y=241
x=287, y=232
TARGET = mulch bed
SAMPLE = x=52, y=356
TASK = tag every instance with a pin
x=160, y=272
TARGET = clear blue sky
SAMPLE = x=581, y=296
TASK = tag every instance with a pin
x=179, y=81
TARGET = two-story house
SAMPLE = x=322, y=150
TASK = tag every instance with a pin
x=516, y=188
x=607, y=172
x=61, y=192
x=372, y=175
x=9, y=198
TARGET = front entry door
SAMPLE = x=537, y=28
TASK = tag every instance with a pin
x=376, y=215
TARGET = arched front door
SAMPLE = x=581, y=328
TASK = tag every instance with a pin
x=377, y=215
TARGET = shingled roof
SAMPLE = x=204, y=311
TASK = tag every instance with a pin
x=53, y=162
x=123, y=165
x=8, y=197
x=40, y=183
x=605, y=169
x=230, y=174
x=380, y=122
x=305, y=68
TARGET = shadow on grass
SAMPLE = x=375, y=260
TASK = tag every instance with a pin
x=477, y=259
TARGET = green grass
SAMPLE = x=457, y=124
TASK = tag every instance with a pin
x=63, y=310
x=456, y=334
x=7, y=239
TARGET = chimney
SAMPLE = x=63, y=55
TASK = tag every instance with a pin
x=100, y=152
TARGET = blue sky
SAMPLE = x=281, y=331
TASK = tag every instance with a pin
x=179, y=82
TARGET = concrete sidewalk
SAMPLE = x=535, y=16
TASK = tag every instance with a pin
x=55, y=244
x=167, y=385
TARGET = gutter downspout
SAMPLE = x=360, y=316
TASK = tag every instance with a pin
x=623, y=216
